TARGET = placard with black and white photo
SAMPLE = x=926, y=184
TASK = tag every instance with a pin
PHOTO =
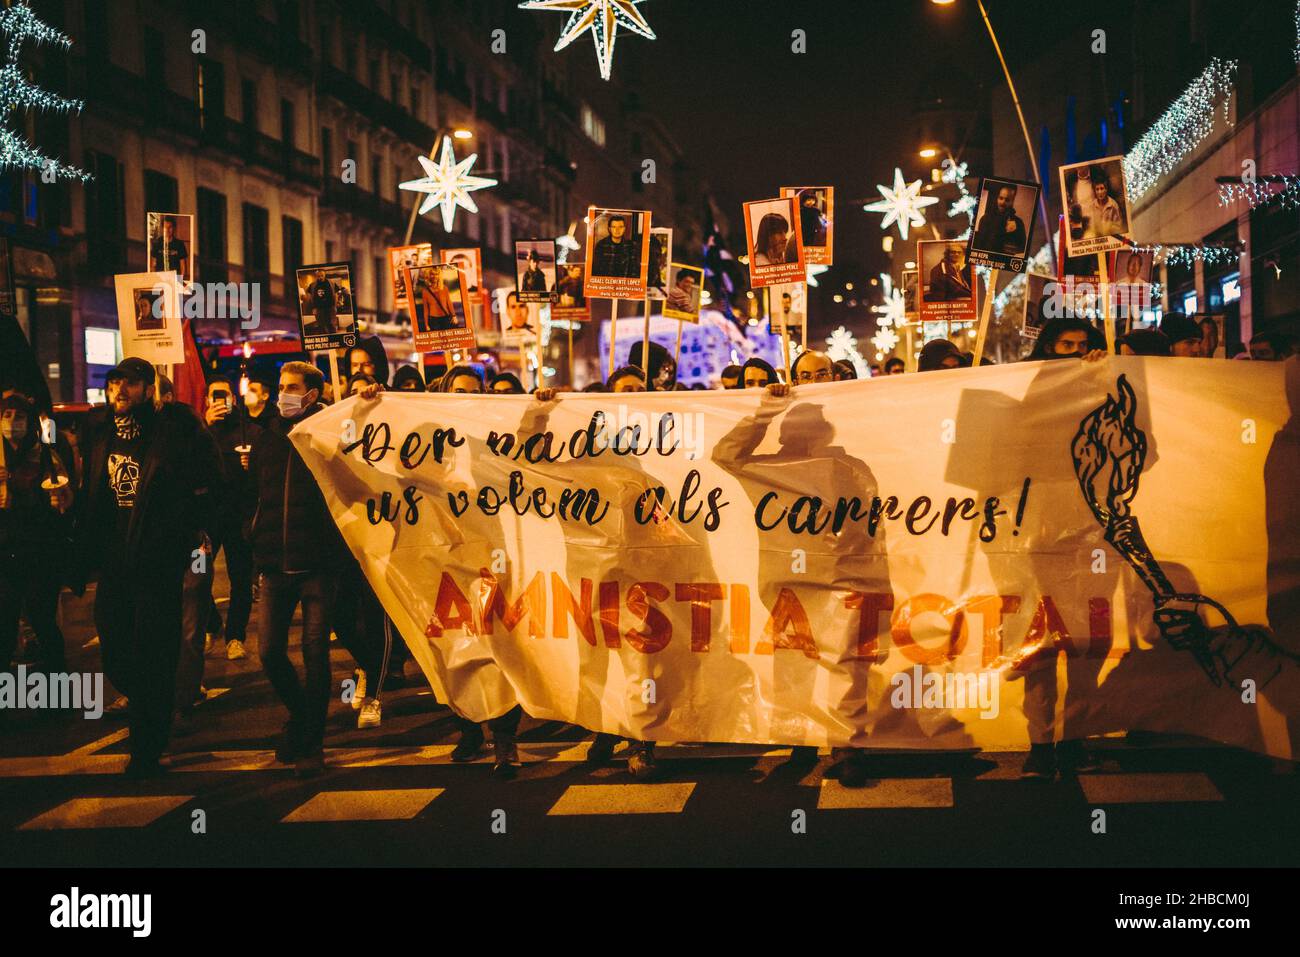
x=1096, y=206
x=1004, y=221
x=520, y=321
x=910, y=281
x=535, y=269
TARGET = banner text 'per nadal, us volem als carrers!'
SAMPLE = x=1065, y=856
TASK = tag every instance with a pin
x=1098, y=546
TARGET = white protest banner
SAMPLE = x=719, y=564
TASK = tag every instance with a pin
x=965, y=558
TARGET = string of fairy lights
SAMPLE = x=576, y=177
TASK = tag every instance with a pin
x=1181, y=128
x=1261, y=192
x=20, y=25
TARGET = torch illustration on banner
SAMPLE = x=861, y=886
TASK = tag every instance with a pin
x=1109, y=451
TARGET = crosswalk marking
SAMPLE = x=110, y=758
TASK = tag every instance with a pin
x=101, y=743
x=394, y=804
x=886, y=793
x=105, y=812
x=622, y=799
x=1148, y=788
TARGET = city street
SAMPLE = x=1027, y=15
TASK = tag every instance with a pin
x=392, y=796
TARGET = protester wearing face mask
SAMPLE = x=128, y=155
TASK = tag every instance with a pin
x=147, y=491
x=663, y=370
x=299, y=552
x=35, y=525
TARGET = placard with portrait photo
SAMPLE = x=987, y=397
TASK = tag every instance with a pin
x=326, y=311
x=1034, y=306
x=1096, y=206
x=521, y=322
x=470, y=263
x=170, y=241
x=399, y=259
x=439, y=320
x=618, y=253
x=685, y=289
x=816, y=213
x=787, y=307
x=571, y=293
x=149, y=316
x=535, y=269
x=661, y=257
x=910, y=282
x=775, y=245
x=948, y=287
x=1083, y=268
x=1004, y=222
x=1130, y=282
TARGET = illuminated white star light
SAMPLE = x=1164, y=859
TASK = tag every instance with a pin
x=448, y=184
x=814, y=272
x=894, y=311
x=602, y=18
x=885, y=340
x=902, y=204
x=843, y=345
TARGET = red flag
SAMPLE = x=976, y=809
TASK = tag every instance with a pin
x=191, y=387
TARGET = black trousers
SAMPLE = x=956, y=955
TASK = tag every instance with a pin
x=307, y=700
x=30, y=586
x=239, y=569
x=506, y=724
x=358, y=620
x=138, y=614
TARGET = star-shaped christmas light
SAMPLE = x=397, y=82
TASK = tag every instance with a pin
x=602, y=18
x=902, y=204
x=885, y=340
x=814, y=272
x=448, y=184
x=893, y=312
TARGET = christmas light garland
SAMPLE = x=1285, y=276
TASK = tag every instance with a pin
x=19, y=24
x=1259, y=193
x=602, y=18
x=1181, y=128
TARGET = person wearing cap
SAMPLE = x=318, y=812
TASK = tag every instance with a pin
x=1184, y=335
x=939, y=354
x=1144, y=342
x=147, y=492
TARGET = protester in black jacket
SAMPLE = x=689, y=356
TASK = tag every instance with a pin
x=147, y=492
x=299, y=552
x=35, y=524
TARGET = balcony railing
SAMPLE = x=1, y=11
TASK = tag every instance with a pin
x=375, y=108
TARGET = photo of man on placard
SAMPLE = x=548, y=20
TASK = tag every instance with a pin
x=1096, y=207
x=1004, y=221
x=170, y=244
x=950, y=278
x=617, y=254
x=535, y=269
x=148, y=309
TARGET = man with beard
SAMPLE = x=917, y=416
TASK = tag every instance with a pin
x=1000, y=229
x=146, y=493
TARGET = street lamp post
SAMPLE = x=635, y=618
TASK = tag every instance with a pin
x=1024, y=128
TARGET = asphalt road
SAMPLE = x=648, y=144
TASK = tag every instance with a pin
x=392, y=796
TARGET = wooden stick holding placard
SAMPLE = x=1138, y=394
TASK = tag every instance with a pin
x=541, y=375
x=334, y=375
x=909, y=364
x=569, y=323
x=1107, y=319
x=645, y=348
x=983, y=331
x=677, y=353
x=613, y=335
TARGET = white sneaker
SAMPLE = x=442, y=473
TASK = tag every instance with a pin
x=371, y=714
x=235, y=651
x=359, y=692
